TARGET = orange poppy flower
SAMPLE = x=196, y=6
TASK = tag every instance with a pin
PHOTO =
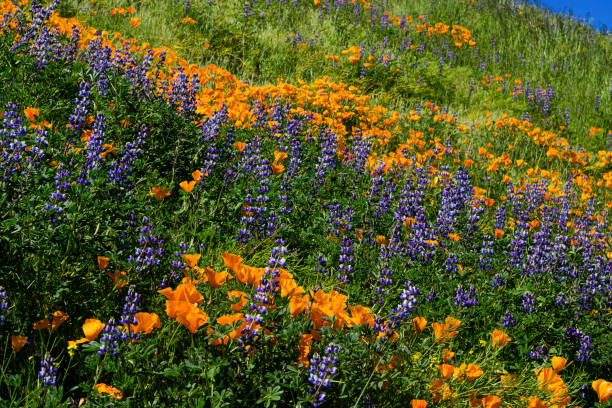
x=187, y=185
x=31, y=113
x=447, y=355
x=216, y=279
x=491, y=401
x=102, y=262
x=382, y=240
x=197, y=175
x=469, y=372
x=499, y=338
x=499, y=233
x=419, y=324
x=558, y=363
x=603, y=389
x=160, y=193
x=191, y=259
x=535, y=402
x=146, y=322
x=361, y=315
x=304, y=348
x=230, y=260
x=279, y=156
x=17, y=342
x=289, y=287
x=298, y=304
x=119, y=279
x=439, y=390
x=193, y=319
x=418, y=403
x=249, y=274
x=553, y=383
x=107, y=389
x=240, y=297
x=185, y=292
x=277, y=168
x=240, y=146
x=59, y=317
x=446, y=370
x=92, y=328
x=134, y=22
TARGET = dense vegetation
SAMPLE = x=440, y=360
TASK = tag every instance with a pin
x=304, y=203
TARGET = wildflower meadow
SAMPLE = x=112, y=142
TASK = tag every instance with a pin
x=304, y=203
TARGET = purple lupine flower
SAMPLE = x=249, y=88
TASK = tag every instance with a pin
x=328, y=156
x=465, y=297
x=486, y=254
x=111, y=334
x=320, y=371
x=265, y=292
x=121, y=169
x=508, y=320
x=150, y=247
x=528, y=302
x=69, y=50
x=92, y=151
x=80, y=111
x=345, y=267
x=3, y=304
x=130, y=308
x=539, y=353
x=498, y=281
x=48, y=371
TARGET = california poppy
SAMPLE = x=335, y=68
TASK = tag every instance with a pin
x=419, y=324
x=418, y=403
x=17, y=342
x=191, y=259
x=231, y=260
x=160, y=193
x=603, y=389
x=239, y=297
x=240, y=146
x=92, y=328
x=491, y=401
x=31, y=113
x=119, y=279
x=277, y=168
x=558, y=363
x=102, y=262
x=535, y=402
x=216, y=279
x=107, y=389
x=193, y=319
x=446, y=370
x=499, y=338
x=187, y=185
x=146, y=322
x=134, y=22
x=59, y=317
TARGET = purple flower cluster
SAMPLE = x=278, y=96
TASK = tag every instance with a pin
x=92, y=151
x=321, y=371
x=48, y=371
x=465, y=297
x=111, y=335
x=130, y=308
x=3, y=304
x=149, y=249
x=121, y=169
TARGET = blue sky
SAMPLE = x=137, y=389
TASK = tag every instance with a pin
x=599, y=12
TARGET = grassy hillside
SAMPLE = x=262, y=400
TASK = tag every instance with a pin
x=291, y=203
